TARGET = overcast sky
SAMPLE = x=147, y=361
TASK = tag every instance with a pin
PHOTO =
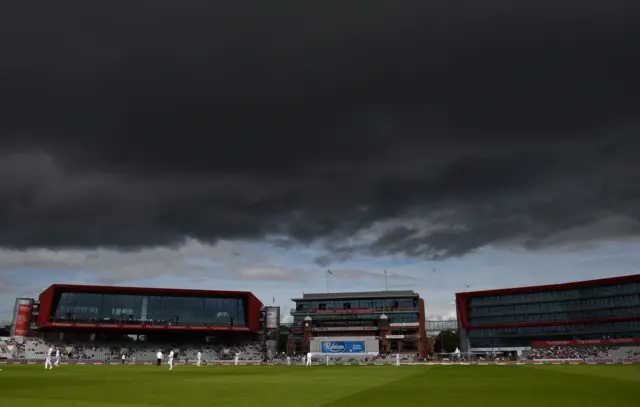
x=253, y=145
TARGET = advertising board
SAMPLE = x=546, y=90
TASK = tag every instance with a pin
x=613, y=341
x=272, y=317
x=22, y=317
x=341, y=347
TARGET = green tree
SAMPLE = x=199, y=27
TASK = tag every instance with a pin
x=446, y=342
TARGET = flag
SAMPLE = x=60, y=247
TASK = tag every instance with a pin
x=274, y=300
x=385, y=272
x=467, y=286
x=329, y=271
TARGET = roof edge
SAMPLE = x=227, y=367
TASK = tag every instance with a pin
x=555, y=287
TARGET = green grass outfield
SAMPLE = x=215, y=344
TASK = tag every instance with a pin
x=327, y=386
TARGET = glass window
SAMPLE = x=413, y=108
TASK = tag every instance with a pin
x=573, y=294
x=559, y=316
x=403, y=318
x=77, y=306
x=406, y=303
x=167, y=309
x=366, y=304
x=619, y=301
x=610, y=328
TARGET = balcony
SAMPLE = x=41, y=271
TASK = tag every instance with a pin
x=349, y=311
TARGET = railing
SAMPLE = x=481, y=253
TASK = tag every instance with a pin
x=378, y=310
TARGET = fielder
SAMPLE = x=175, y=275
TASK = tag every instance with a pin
x=57, y=362
x=171, y=360
x=308, y=360
x=47, y=361
x=199, y=359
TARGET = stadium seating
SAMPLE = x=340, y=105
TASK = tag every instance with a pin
x=5, y=353
x=626, y=352
x=569, y=352
x=36, y=349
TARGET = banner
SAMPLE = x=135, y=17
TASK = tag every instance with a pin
x=614, y=341
x=337, y=347
x=272, y=317
x=22, y=317
x=144, y=326
x=343, y=362
x=556, y=361
x=601, y=361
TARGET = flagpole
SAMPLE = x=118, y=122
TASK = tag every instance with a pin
x=327, y=280
x=386, y=282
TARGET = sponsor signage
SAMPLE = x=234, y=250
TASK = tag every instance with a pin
x=338, y=347
x=339, y=362
x=499, y=349
x=615, y=341
x=22, y=317
x=272, y=317
x=601, y=361
x=145, y=326
x=395, y=336
x=404, y=324
x=555, y=361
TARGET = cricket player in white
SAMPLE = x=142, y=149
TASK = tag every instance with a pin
x=159, y=358
x=397, y=359
x=47, y=361
x=289, y=360
x=236, y=358
x=199, y=359
x=57, y=362
x=171, y=360
x=308, y=360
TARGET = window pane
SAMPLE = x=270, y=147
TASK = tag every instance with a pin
x=181, y=310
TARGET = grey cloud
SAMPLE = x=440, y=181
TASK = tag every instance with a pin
x=355, y=274
x=145, y=126
x=193, y=261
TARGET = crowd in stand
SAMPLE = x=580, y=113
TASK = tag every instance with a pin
x=131, y=320
x=36, y=349
x=570, y=352
x=141, y=352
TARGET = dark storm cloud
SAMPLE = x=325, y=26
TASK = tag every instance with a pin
x=143, y=123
